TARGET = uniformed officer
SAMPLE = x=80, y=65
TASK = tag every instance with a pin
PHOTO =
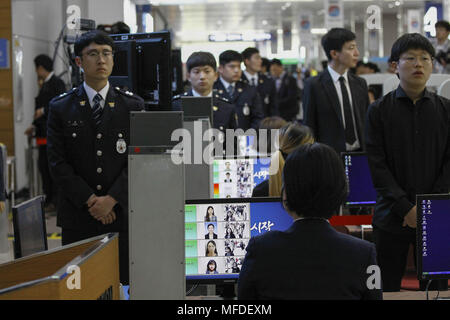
x=88, y=135
x=201, y=73
x=265, y=85
x=245, y=98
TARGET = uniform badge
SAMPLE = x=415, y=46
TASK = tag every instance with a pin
x=215, y=108
x=111, y=104
x=266, y=100
x=239, y=90
x=246, y=110
x=261, y=81
x=221, y=137
x=121, y=146
x=220, y=91
x=82, y=103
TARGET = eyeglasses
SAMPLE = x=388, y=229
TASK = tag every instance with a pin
x=94, y=54
x=413, y=60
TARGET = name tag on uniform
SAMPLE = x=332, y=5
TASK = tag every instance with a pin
x=121, y=146
x=246, y=110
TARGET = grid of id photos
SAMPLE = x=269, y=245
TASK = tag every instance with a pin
x=233, y=178
x=216, y=238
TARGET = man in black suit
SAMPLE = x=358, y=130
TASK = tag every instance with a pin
x=265, y=85
x=287, y=91
x=245, y=98
x=335, y=102
x=51, y=86
x=310, y=260
x=88, y=135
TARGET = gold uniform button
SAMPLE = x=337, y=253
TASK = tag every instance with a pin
x=99, y=136
x=99, y=187
x=99, y=153
x=99, y=170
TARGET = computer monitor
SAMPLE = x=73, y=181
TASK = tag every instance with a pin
x=177, y=72
x=153, y=67
x=361, y=190
x=197, y=108
x=30, y=233
x=124, y=72
x=237, y=177
x=433, y=237
x=218, y=258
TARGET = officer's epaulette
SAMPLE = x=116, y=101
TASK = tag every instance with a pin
x=219, y=97
x=178, y=96
x=127, y=93
x=65, y=94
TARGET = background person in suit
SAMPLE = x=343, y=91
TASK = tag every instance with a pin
x=253, y=76
x=50, y=87
x=335, y=102
x=287, y=91
x=245, y=98
x=88, y=135
x=326, y=264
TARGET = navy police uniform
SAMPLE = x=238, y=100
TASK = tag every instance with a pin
x=268, y=93
x=85, y=160
x=247, y=103
x=224, y=116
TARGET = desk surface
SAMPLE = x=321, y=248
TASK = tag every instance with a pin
x=402, y=295
x=414, y=295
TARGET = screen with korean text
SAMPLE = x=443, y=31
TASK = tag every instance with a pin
x=218, y=232
x=433, y=236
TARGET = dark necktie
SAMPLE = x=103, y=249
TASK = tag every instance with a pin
x=350, y=137
x=97, y=110
x=253, y=82
x=230, y=91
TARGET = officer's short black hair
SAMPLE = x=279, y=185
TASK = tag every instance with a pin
x=443, y=24
x=410, y=41
x=229, y=56
x=93, y=36
x=44, y=61
x=247, y=53
x=335, y=40
x=277, y=62
x=200, y=59
x=120, y=27
x=314, y=181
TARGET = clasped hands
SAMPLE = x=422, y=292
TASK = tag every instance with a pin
x=101, y=208
x=410, y=219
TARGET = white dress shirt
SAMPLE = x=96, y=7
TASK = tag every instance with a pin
x=91, y=93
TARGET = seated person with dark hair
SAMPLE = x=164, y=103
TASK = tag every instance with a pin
x=326, y=264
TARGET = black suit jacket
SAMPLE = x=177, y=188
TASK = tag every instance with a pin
x=247, y=103
x=322, y=110
x=50, y=89
x=310, y=260
x=267, y=92
x=288, y=105
x=76, y=150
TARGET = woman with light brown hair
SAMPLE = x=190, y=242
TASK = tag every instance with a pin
x=291, y=136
